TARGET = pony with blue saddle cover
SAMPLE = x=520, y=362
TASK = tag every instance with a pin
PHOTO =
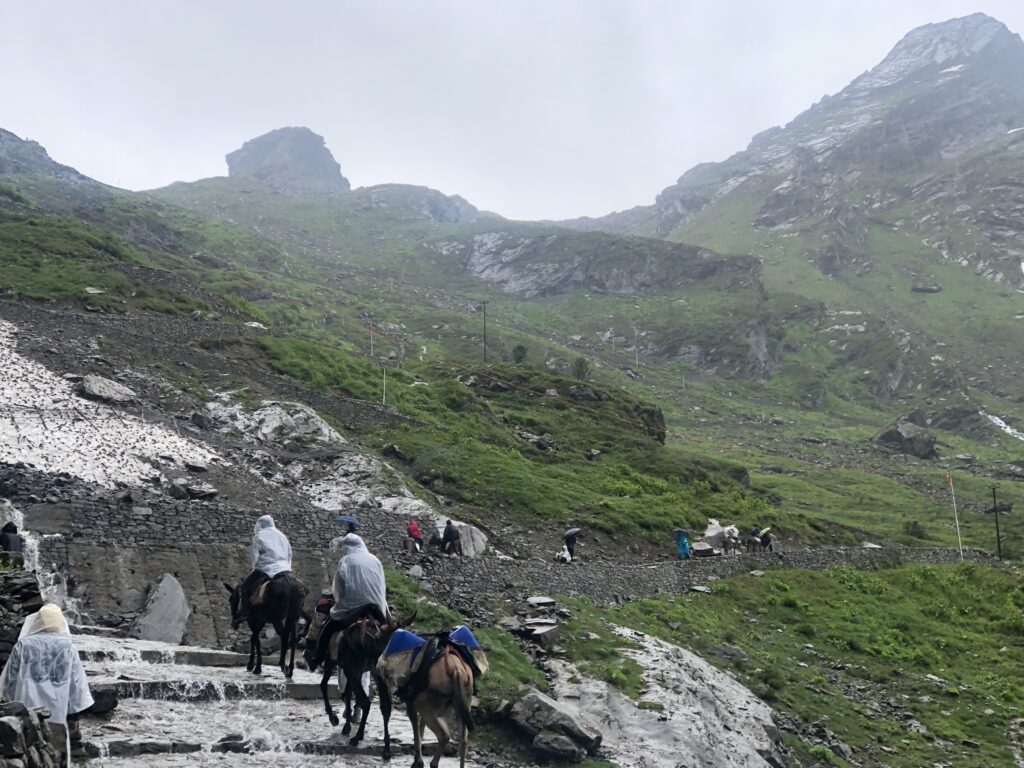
x=435, y=675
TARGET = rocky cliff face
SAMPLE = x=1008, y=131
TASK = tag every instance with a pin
x=294, y=159
x=546, y=262
x=939, y=123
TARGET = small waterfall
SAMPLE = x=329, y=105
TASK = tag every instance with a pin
x=1003, y=426
x=53, y=582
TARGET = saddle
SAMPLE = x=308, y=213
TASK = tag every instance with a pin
x=460, y=642
x=259, y=595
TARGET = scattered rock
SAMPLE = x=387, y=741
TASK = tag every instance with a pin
x=538, y=601
x=96, y=387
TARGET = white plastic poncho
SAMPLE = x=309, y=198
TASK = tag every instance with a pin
x=359, y=579
x=271, y=552
x=44, y=669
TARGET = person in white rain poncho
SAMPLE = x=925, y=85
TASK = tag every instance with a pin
x=44, y=671
x=271, y=555
x=359, y=590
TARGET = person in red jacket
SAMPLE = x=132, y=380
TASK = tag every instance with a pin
x=413, y=532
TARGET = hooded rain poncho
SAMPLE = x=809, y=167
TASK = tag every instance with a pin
x=44, y=669
x=359, y=580
x=271, y=552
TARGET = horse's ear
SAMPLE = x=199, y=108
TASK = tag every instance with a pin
x=408, y=621
x=229, y=588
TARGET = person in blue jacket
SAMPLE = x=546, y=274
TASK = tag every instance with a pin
x=682, y=544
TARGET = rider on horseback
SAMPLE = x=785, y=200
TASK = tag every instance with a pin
x=271, y=555
x=359, y=590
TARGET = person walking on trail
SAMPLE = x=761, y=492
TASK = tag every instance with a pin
x=682, y=543
x=359, y=590
x=451, y=541
x=270, y=556
x=412, y=530
x=569, y=540
x=44, y=671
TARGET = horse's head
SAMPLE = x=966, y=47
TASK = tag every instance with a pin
x=394, y=623
x=235, y=599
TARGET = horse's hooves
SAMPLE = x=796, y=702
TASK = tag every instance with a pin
x=334, y=719
x=354, y=741
x=386, y=755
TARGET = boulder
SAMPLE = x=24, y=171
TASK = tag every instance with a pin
x=536, y=712
x=166, y=615
x=96, y=387
x=474, y=541
x=558, y=745
x=905, y=437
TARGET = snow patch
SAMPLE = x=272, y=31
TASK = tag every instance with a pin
x=44, y=423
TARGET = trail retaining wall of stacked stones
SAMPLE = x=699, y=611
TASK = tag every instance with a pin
x=116, y=546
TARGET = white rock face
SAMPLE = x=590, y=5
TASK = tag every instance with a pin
x=346, y=482
x=166, y=616
x=712, y=720
x=43, y=422
x=274, y=422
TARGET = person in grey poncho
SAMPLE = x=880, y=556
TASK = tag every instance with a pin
x=44, y=671
x=270, y=556
x=359, y=590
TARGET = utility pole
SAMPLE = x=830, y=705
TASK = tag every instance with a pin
x=483, y=306
x=384, y=396
x=371, y=337
x=995, y=514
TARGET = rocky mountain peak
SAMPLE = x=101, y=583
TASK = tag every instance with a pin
x=949, y=43
x=23, y=156
x=294, y=159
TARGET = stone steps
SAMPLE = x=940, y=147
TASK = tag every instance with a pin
x=187, y=689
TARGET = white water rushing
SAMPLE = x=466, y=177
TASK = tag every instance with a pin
x=1011, y=431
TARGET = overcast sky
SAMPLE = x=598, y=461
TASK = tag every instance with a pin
x=533, y=109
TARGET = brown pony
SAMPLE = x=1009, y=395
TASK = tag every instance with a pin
x=449, y=689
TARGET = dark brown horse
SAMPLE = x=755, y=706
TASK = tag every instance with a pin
x=353, y=652
x=281, y=607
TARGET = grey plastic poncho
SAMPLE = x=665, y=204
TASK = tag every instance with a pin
x=44, y=669
x=359, y=579
x=271, y=552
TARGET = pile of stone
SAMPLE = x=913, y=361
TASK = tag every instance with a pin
x=538, y=623
x=25, y=739
x=19, y=596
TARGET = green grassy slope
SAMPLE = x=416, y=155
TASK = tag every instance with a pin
x=908, y=666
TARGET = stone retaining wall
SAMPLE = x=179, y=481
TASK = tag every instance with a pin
x=116, y=547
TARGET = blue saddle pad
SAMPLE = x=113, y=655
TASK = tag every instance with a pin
x=461, y=634
x=403, y=640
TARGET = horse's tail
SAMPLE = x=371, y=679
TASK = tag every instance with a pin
x=462, y=684
x=296, y=596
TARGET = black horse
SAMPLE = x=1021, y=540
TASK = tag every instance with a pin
x=358, y=650
x=282, y=608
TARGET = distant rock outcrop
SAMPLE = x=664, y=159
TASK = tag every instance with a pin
x=293, y=159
